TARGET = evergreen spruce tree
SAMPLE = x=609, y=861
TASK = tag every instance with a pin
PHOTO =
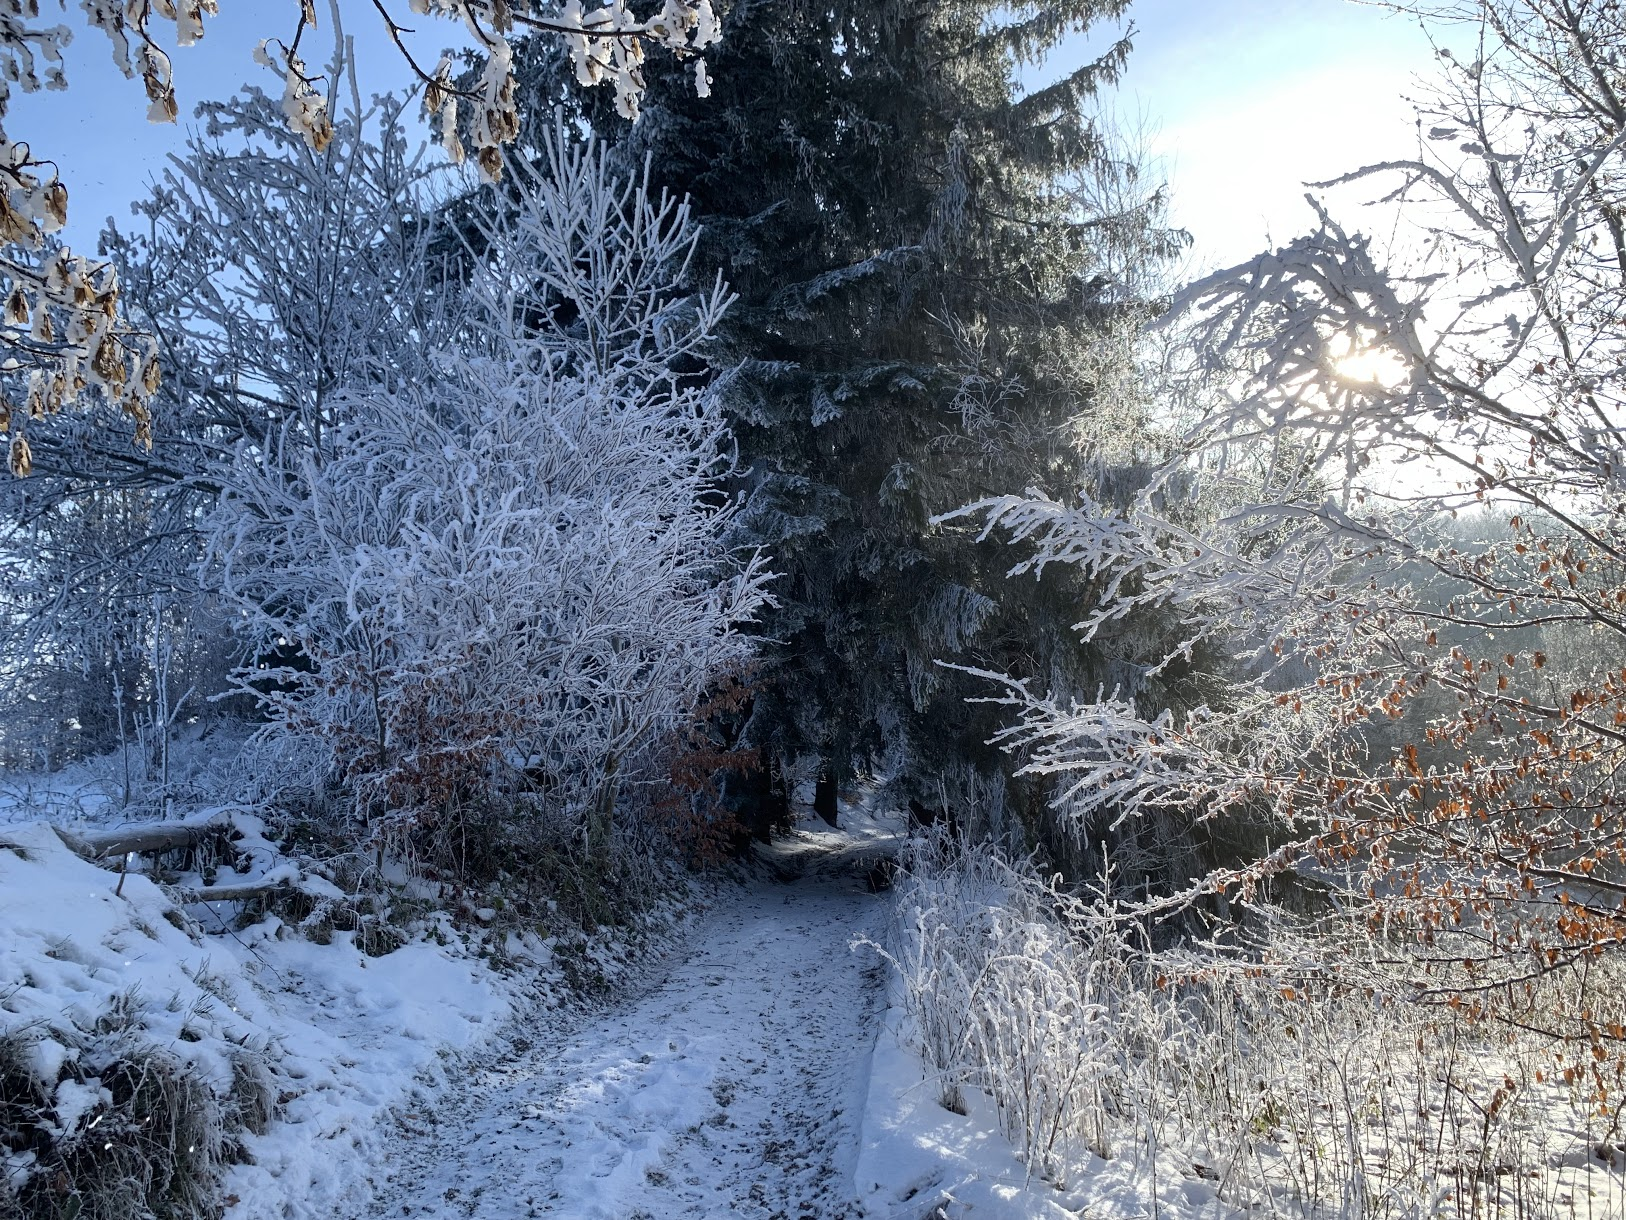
x=931, y=268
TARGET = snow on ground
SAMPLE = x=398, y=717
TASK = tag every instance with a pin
x=205, y=769
x=754, y=1071
x=731, y=1087
x=758, y=1074
x=919, y=1161
x=95, y=968
x=361, y=1034
x=74, y=797
x=342, y=1035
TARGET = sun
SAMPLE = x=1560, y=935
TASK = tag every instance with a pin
x=1363, y=364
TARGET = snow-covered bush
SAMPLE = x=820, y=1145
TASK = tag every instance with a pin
x=1004, y=997
x=506, y=574
x=1297, y=1075
x=128, y=1074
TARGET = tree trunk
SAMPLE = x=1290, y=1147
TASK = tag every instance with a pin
x=824, y=794
x=601, y=818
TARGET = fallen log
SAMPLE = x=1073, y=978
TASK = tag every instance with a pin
x=143, y=837
x=235, y=891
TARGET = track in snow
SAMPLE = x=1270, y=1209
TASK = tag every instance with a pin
x=733, y=1087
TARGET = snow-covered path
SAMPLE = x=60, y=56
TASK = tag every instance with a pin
x=732, y=1087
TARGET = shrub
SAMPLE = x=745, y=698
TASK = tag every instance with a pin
x=122, y=1129
x=1302, y=1078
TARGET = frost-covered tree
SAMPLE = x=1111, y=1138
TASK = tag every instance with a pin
x=65, y=339
x=506, y=575
x=1362, y=400
x=933, y=268
x=266, y=273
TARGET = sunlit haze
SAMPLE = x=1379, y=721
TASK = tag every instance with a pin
x=1244, y=101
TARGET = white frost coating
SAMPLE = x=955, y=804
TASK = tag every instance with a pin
x=98, y=350
x=1389, y=551
x=523, y=545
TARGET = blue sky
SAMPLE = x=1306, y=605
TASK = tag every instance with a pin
x=98, y=130
x=1242, y=100
x=1246, y=100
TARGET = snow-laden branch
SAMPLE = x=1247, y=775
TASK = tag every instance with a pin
x=62, y=329
x=1390, y=553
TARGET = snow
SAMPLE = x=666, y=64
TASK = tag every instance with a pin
x=759, y=1073
x=73, y=946
x=918, y=1160
x=363, y=1033
x=754, y=1068
x=732, y=1085
x=343, y=1035
x=377, y=1038
x=69, y=796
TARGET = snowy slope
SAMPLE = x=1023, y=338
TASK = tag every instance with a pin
x=98, y=972
x=336, y=1035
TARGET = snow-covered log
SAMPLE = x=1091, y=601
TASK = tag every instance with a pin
x=283, y=881
x=146, y=837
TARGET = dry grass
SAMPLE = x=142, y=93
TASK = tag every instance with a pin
x=1304, y=1083
x=124, y=1129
